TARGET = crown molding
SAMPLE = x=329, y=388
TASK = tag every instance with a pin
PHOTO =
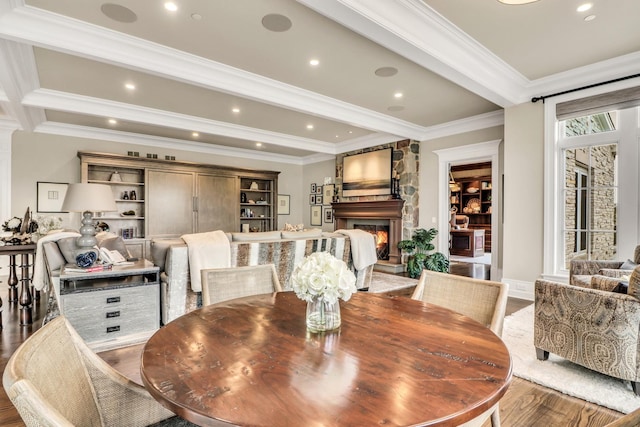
x=481, y=121
x=50, y=99
x=9, y=125
x=31, y=25
x=160, y=142
x=18, y=76
x=367, y=141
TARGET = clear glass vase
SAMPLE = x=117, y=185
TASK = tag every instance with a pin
x=323, y=316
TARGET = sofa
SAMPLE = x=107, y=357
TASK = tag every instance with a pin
x=281, y=248
x=582, y=272
x=595, y=327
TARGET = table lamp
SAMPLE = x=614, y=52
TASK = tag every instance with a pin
x=88, y=198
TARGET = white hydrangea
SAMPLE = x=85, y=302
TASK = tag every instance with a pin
x=325, y=276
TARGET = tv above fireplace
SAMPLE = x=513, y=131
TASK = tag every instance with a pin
x=367, y=174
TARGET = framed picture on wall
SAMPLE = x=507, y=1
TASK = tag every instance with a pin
x=50, y=196
x=318, y=199
x=284, y=204
x=312, y=199
x=313, y=188
x=327, y=193
x=328, y=215
x=319, y=189
x=316, y=215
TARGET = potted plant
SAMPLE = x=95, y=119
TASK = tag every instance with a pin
x=421, y=253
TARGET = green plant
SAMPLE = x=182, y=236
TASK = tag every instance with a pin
x=421, y=255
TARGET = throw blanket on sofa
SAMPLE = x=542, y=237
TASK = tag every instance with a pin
x=39, y=279
x=206, y=250
x=363, y=247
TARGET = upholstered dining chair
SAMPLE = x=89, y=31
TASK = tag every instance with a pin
x=223, y=284
x=54, y=379
x=482, y=300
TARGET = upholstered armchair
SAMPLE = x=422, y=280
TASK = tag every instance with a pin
x=598, y=329
x=581, y=271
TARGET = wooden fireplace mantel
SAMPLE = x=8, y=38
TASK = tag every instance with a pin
x=378, y=209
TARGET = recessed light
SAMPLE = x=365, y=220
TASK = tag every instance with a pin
x=337, y=136
x=589, y=18
x=584, y=7
x=196, y=16
x=171, y=6
x=517, y=1
x=235, y=110
x=130, y=86
x=386, y=71
x=397, y=95
x=309, y=127
x=258, y=144
x=195, y=134
x=350, y=131
x=113, y=122
x=314, y=62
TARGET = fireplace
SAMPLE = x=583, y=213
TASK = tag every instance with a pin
x=381, y=233
x=386, y=213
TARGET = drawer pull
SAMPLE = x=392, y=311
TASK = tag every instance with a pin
x=111, y=314
x=113, y=329
x=111, y=300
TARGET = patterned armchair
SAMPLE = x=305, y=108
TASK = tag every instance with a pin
x=592, y=327
x=581, y=271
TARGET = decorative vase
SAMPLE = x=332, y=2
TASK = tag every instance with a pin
x=323, y=316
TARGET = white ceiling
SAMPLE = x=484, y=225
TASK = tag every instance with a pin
x=63, y=66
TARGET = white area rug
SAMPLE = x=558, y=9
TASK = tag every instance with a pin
x=560, y=374
x=384, y=282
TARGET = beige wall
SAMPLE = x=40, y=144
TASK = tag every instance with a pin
x=523, y=194
x=41, y=157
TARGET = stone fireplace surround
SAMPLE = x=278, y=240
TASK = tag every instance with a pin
x=345, y=212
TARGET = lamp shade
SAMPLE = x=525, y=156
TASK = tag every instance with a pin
x=89, y=197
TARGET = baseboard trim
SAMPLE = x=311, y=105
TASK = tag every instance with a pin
x=520, y=289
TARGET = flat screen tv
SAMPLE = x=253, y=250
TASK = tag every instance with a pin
x=367, y=174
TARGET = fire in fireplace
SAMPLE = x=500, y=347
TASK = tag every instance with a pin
x=381, y=232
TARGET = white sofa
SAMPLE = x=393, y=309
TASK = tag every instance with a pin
x=283, y=249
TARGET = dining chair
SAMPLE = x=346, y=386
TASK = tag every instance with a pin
x=223, y=284
x=55, y=379
x=482, y=300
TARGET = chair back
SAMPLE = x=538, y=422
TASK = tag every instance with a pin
x=223, y=284
x=482, y=300
x=48, y=382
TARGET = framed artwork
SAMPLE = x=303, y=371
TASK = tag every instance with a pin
x=312, y=199
x=284, y=204
x=314, y=188
x=327, y=193
x=50, y=196
x=316, y=215
x=328, y=214
x=318, y=199
x=319, y=189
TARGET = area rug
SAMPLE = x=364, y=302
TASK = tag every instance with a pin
x=560, y=374
x=384, y=282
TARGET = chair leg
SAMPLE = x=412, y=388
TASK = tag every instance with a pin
x=636, y=387
x=495, y=417
x=542, y=354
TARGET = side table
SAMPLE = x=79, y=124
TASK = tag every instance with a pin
x=25, y=297
x=112, y=308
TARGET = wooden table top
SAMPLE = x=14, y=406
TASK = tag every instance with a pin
x=394, y=361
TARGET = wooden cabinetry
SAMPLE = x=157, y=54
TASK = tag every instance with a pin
x=257, y=207
x=175, y=198
x=473, y=198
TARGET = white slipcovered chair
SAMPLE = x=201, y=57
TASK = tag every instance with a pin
x=223, y=284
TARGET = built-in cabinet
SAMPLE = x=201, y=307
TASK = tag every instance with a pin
x=473, y=197
x=169, y=198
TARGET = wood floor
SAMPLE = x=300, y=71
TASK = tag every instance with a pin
x=525, y=404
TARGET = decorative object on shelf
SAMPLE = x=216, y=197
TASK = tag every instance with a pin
x=128, y=213
x=472, y=190
x=243, y=197
x=321, y=280
x=125, y=195
x=254, y=186
x=115, y=177
x=88, y=198
x=132, y=195
x=102, y=226
x=86, y=259
x=421, y=255
x=12, y=225
x=474, y=205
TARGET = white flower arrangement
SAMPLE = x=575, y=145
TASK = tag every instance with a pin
x=12, y=225
x=323, y=276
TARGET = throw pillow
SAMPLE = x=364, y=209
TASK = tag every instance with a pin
x=55, y=259
x=634, y=283
x=69, y=248
x=307, y=234
x=115, y=244
x=291, y=227
x=628, y=265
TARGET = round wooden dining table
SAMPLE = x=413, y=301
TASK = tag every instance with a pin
x=393, y=362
